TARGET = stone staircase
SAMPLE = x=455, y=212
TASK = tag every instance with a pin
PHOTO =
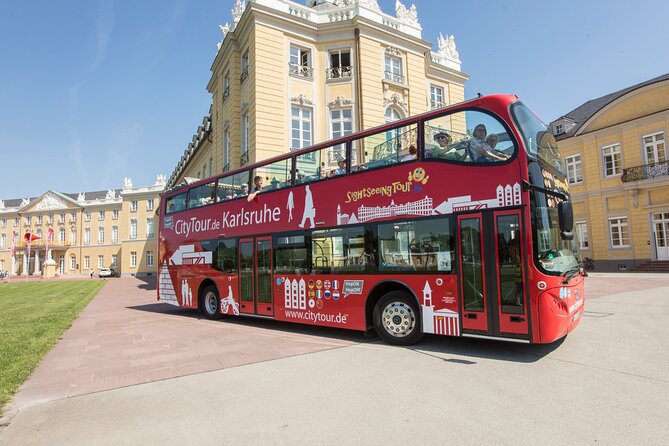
x=653, y=266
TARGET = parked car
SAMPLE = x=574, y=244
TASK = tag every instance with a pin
x=105, y=272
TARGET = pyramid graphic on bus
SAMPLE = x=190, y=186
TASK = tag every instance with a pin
x=166, y=291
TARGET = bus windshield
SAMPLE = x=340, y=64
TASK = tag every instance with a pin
x=552, y=253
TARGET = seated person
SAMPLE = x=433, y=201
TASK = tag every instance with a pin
x=243, y=190
x=341, y=170
x=445, y=149
x=258, y=183
x=479, y=149
x=413, y=151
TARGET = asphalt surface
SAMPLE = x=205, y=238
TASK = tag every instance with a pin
x=606, y=383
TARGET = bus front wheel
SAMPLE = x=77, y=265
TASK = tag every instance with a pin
x=211, y=303
x=397, y=319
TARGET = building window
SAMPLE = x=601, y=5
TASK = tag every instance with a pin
x=340, y=64
x=87, y=262
x=3, y=222
x=655, y=148
x=73, y=236
x=341, y=124
x=245, y=139
x=101, y=215
x=436, y=97
x=87, y=236
x=301, y=134
x=16, y=222
x=149, y=258
x=62, y=217
x=300, y=62
x=226, y=86
x=149, y=228
x=114, y=263
x=245, y=67
x=29, y=221
x=133, y=206
x=133, y=229
x=39, y=219
x=394, y=69
x=115, y=214
x=133, y=258
x=149, y=202
x=619, y=232
x=226, y=151
x=87, y=216
x=61, y=235
x=574, y=169
x=101, y=235
x=611, y=160
x=73, y=261
x=38, y=232
x=582, y=234
x=50, y=218
x=114, y=234
x=73, y=216
x=3, y=243
x=101, y=261
x=558, y=129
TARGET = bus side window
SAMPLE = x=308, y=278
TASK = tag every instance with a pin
x=383, y=149
x=176, y=203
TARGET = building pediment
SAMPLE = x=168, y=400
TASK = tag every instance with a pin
x=50, y=201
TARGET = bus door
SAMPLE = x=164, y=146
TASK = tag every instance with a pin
x=491, y=274
x=255, y=276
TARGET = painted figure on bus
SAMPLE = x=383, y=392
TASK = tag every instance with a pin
x=309, y=209
x=290, y=205
x=480, y=150
x=229, y=301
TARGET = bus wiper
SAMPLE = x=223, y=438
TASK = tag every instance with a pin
x=528, y=185
x=573, y=272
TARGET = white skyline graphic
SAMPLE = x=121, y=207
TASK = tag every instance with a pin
x=166, y=292
x=443, y=322
x=186, y=255
x=295, y=294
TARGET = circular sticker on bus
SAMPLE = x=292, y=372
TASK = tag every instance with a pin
x=312, y=293
x=278, y=281
x=311, y=283
x=327, y=294
x=440, y=281
x=319, y=284
x=327, y=284
x=319, y=304
x=312, y=303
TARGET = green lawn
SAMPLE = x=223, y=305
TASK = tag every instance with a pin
x=33, y=316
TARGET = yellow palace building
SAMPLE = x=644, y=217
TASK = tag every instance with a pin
x=89, y=230
x=288, y=75
x=615, y=152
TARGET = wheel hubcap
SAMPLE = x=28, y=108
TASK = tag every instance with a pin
x=210, y=303
x=398, y=319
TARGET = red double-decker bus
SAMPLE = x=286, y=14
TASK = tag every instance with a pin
x=455, y=222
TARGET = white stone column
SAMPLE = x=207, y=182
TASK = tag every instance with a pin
x=37, y=270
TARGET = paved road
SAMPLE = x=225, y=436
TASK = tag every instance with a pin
x=606, y=383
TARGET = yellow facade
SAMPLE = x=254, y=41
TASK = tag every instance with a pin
x=341, y=65
x=616, y=159
x=92, y=230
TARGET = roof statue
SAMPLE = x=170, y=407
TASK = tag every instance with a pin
x=447, y=48
x=237, y=12
x=81, y=197
x=127, y=183
x=160, y=180
x=2, y=204
x=25, y=202
x=408, y=16
x=111, y=195
x=341, y=3
x=225, y=29
x=371, y=4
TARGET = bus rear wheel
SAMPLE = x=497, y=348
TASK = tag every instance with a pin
x=397, y=319
x=211, y=303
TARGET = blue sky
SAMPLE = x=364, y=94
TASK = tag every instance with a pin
x=94, y=91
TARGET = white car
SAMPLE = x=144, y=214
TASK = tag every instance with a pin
x=105, y=272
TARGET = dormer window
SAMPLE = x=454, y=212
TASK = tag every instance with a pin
x=558, y=129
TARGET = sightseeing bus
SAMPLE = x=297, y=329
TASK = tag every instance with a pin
x=455, y=222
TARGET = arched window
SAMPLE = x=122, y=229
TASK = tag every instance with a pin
x=393, y=114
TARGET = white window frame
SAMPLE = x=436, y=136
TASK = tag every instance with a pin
x=114, y=262
x=87, y=262
x=133, y=206
x=300, y=62
x=149, y=202
x=611, y=151
x=87, y=236
x=133, y=259
x=101, y=261
x=150, y=230
x=39, y=219
x=73, y=217
x=572, y=169
x=298, y=123
x=87, y=216
x=114, y=214
x=621, y=226
x=133, y=229
x=3, y=242
x=583, y=235
x=61, y=235
x=114, y=234
x=654, y=144
x=437, y=95
x=73, y=261
x=101, y=235
x=149, y=258
x=73, y=236
x=101, y=215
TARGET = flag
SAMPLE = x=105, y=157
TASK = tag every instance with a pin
x=29, y=237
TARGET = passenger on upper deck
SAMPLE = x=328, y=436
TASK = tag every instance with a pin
x=412, y=153
x=444, y=150
x=258, y=183
x=341, y=170
x=480, y=150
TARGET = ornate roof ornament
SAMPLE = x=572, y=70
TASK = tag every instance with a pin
x=127, y=183
x=160, y=180
x=50, y=202
x=25, y=202
x=2, y=204
x=447, y=48
x=225, y=29
x=371, y=4
x=301, y=99
x=341, y=3
x=111, y=195
x=237, y=12
x=340, y=101
x=408, y=16
x=81, y=197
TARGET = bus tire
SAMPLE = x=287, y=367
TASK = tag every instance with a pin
x=397, y=319
x=211, y=303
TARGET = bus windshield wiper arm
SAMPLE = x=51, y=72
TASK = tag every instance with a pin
x=560, y=195
x=573, y=272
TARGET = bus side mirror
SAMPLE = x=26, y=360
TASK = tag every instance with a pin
x=566, y=220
